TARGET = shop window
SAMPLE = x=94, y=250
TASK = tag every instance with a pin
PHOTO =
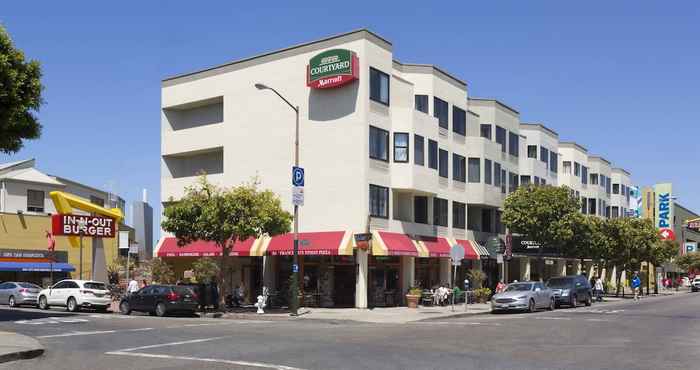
x=485, y=131
x=35, y=201
x=459, y=215
x=474, y=170
x=459, y=168
x=459, y=121
x=488, y=171
x=432, y=154
x=378, y=86
x=422, y=103
x=501, y=137
x=442, y=168
x=532, y=151
x=418, y=150
x=400, y=147
x=378, y=144
x=378, y=201
x=441, y=112
x=420, y=209
x=440, y=212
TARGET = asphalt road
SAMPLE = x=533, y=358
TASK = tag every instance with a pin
x=656, y=333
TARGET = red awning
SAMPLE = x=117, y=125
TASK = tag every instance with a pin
x=470, y=252
x=394, y=244
x=325, y=243
x=200, y=248
x=436, y=246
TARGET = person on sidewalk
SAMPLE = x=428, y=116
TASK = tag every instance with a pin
x=598, y=289
x=133, y=287
x=636, y=283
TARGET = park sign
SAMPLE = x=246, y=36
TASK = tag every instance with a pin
x=332, y=68
x=664, y=210
x=83, y=225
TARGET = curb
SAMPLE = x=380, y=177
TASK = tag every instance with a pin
x=21, y=355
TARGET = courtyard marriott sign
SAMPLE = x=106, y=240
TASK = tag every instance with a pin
x=332, y=68
x=91, y=226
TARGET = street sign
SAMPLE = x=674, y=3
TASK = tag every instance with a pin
x=499, y=258
x=134, y=249
x=295, y=268
x=667, y=234
x=298, y=195
x=297, y=176
x=457, y=254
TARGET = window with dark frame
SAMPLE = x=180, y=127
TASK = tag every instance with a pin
x=459, y=215
x=440, y=212
x=422, y=103
x=616, y=189
x=441, y=111
x=378, y=86
x=497, y=174
x=536, y=181
x=532, y=151
x=504, y=181
x=419, y=150
x=400, y=147
x=512, y=182
x=378, y=144
x=443, y=171
x=420, y=209
x=584, y=175
x=459, y=121
x=486, y=220
x=459, y=168
x=513, y=144
x=432, y=154
x=594, y=178
x=577, y=169
x=35, y=200
x=501, y=137
x=524, y=180
x=485, y=131
x=474, y=171
x=544, y=156
x=553, y=162
x=567, y=167
x=488, y=171
x=378, y=201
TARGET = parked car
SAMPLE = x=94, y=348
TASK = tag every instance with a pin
x=76, y=294
x=571, y=290
x=160, y=300
x=528, y=295
x=695, y=285
x=18, y=293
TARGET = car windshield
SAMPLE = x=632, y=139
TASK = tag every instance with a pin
x=29, y=286
x=95, y=286
x=519, y=287
x=559, y=283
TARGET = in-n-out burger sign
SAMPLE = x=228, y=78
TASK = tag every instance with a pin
x=91, y=226
x=332, y=68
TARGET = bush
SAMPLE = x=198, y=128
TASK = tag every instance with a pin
x=482, y=295
x=415, y=290
x=476, y=277
x=160, y=271
x=205, y=269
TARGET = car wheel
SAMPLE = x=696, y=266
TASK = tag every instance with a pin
x=160, y=309
x=124, y=308
x=43, y=303
x=531, y=306
x=12, y=302
x=72, y=305
x=551, y=305
x=574, y=301
x=589, y=301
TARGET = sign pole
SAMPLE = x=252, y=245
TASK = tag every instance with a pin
x=81, y=256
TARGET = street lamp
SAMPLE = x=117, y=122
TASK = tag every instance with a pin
x=294, y=299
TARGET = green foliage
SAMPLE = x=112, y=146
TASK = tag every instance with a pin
x=482, y=295
x=205, y=269
x=689, y=262
x=547, y=214
x=20, y=96
x=415, y=290
x=476, y=277
x=160, y=271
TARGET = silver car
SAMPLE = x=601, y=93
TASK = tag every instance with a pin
x=527, y=295
x=18, y=293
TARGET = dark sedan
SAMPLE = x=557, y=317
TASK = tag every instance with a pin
x=160, y=300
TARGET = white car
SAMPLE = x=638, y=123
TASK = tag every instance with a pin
x=74, y=294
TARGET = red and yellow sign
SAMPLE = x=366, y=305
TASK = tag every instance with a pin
x=77, y=225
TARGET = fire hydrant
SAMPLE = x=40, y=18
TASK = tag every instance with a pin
x=261, y=304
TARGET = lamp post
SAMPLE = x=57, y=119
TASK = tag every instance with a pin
x=294, y=299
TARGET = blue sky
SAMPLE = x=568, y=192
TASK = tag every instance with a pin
x=620, y=78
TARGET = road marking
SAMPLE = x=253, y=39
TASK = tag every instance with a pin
x=50, y=320
x=82, y=333
x=456, y=323
x=170, y=344
x=211, y=360
x=552, y=318
x=598, y=320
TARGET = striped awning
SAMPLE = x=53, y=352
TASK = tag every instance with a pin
x=385, y=243
x=325, y=243
x=472, y=249
x=168, y=248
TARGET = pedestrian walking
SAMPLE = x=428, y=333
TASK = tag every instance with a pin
x=133, y=287
x=500, y=287
x=598, y=289
x=636, y=283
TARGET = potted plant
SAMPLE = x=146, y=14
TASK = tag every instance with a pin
x=413, y=296
x=482, y=295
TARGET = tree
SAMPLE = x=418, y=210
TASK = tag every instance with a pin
x=20, y=96
x=225, y=216
x=160, y=271
x=660, y=252
x=204, y=269
x=546, y=214
x=689, y=262
x=631, y=241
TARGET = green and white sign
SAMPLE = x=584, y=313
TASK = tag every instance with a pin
x=332, y=68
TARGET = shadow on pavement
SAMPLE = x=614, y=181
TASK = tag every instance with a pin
x=8, y=314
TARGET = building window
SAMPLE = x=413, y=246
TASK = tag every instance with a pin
x=615, y=212
x=497, y=174
x=378, y=86
x=440, y=212
x=485, y=131
x=584, y=203
x=441, y=111
x=584, y=175
x=513, y=144
x=616, y=189
x=543, y=182
x=378, y=144
x=442, y=168
x=35, y=201
x=577, y=169
x=422, y=103
x=608, y=185
x=378, y=201
x=594, y=179
x=97, y=200
x=499, y=224
x=592, y=206
x=486, y=220
x=459, y=168
x=459, y=121
x=524, y=180
x=504, y=181
x=459, y=215
x=501, y=137
x=420, y=209
x=553, y=162
x=400, y=147
x=419, y=148
x=544, y=156
x=474, y=170
x=488, y=171
x=536, y=181
x=532, y=151
x=567, y=167
x=602, y=181
x=432, y=154
x=513, y=182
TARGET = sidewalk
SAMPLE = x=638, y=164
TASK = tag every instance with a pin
x=14, y=346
